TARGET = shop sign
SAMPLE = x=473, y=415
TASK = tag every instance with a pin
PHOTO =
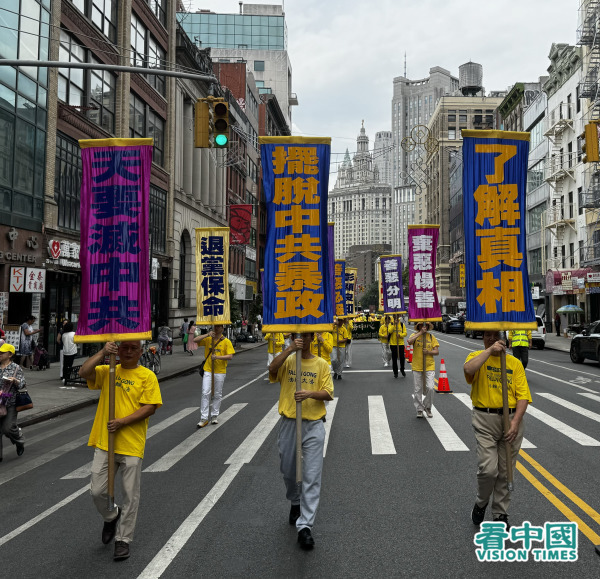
x=3, y=301
x=593, y=277
x=36, y=280
x=63, y=252
x=535, y=293
x=17, y=279
x=557, y=290
x=24, y=246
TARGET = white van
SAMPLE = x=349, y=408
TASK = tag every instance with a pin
x=538, y=337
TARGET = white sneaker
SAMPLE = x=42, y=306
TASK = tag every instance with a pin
x=214, y=421
x=419, y=414
x=385, y=365
x=202, y=423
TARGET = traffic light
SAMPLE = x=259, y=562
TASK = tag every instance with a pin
x=221, y=124
x=589, y=147
x=202, y=125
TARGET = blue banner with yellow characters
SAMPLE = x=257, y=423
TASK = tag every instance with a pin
x=297, y=293
x=494, y=212
x=341, y=310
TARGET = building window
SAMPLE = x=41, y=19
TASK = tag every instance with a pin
x=452, y=133
x=451, y=118
x=67, y=182
x=102, y=96
x=147, y=52
x=158, y=8
x=103, y=13
x=462, y=118
x=146, y=123
x=158, y=219
x=71, y=81
x=156, y=59
x=138, y=42
x=259, y=65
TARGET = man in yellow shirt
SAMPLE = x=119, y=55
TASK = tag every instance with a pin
x=274, y=345
x=338, y=354
x=396, y=335
x=218, y=350
x=520, y=342
x=423, y=341
x=325, y=341
x=386, y=353
x=137, y=396
x=349, y=325
x=482, y=371
x=317, y=388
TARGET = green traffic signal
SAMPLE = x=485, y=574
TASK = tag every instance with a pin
x=221, y=140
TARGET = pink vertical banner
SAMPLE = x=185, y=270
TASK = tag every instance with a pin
x=115, y=246
x=423, y=304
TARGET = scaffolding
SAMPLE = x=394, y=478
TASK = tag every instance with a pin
x=588, y=36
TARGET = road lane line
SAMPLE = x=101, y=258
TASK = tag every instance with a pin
x=331, y=406
x=244, y=454
x=566, y=404
x=591, y=396
x=445, y=433
x=576, y=435
x=379, y=428
x=66, y=425
x=246, y=384
x=562, y=488
x=43, y=515
x=85, y=470
x=566, y=511
x=172, y=457
x=466, y=400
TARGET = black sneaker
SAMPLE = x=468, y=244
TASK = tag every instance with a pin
x=503, y=519
x=20, y=448
x=121, y=551
x=305, y=539
x=294, y=514
x=335, y=376
x=109, y=529
x=403, y=373
x=478, y=514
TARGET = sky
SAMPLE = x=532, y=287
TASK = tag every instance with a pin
x=345, y=53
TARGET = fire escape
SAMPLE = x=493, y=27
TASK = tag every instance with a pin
x=588, y=35
x=558, y=169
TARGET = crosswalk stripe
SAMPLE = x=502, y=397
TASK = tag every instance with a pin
x=572, y=433
x=466, y=400
x=247, y=384
x=566, y=404
x=445, y=433
x=63, y=427
x=191, y=442
x=85, y=470
x=331, y=406
x=379, y=428
x=591, y=396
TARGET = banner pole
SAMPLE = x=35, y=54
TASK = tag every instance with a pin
x=424, y=385
x=298, y=416
x=506, y=422
x=111, y=435
x=397, y=338
x=212, y=362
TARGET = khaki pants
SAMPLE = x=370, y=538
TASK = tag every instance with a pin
x=491, y=460
x=131, y=473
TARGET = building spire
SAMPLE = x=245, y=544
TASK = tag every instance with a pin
x=405, y=64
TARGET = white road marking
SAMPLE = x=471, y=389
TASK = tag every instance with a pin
x=445, y=433
x=85, y=470
x=63, y=427
x=591, y=396
x=381, y=436
x=466, y=400
x=244, y=454
x=566, y=404
x=191, y=442
x=246, y=384
x=331, y=406
x=572, y=433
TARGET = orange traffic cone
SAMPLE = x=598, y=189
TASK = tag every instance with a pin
x=443, y=384
x=408, y=353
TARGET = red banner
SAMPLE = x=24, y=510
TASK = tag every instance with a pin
x=240, y=218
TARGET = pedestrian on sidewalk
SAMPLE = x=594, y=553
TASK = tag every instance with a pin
x=183, y=332
x=218, y=350
x=12, y=380
x=386, y=353
x=164, y=339
x=304, y=498
x=69, y=350
x=349, y=325
x=25, y=343
x=60, y=346
x=338, y=354
x=325, y=341
x=520, y=342
x=275, y=342
x=396, y=334
x=137, y=397
x=557, y=323
x=430, y=348
x=482, y=372
x=191, y=345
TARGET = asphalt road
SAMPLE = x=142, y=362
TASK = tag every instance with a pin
x=396, y=497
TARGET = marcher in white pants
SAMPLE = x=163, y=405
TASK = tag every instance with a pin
x=423, y=335
x=386, y=353
x=211, y=406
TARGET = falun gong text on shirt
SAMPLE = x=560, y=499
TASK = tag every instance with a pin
x=115, y=213
x=212, y=284
x=297, y=285
x=391, y=278
x=494, y=189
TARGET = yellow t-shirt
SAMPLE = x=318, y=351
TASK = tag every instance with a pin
x=383, y=333
x=401, y=334
x=343, y=334
x=223, y=348
x=274, y=342
x=349, y=327
x=134, y=388
x=417, y=363
x=486, y=386
x=315, y=376
x=326, y=346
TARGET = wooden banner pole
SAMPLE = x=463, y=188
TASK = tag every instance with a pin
x=506, y=422
x=111, y=435
x=298, y=415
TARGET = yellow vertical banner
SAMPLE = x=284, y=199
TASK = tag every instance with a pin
x=212, y=283
x=462, y=275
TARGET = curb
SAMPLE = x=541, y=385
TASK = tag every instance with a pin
x=54, y=412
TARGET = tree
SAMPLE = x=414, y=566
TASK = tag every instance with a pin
x=234, y=306
x=370, y=297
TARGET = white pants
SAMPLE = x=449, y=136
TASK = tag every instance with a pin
x=349, y=355
x=215, y=405
x=420, y=402
x=386, y=353
x=338, y=365
x=270, y=358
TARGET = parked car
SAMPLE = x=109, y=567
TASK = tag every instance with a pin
x=538, y=337
x=473, y=333
x=586, y=344
x=439, y=326
x=453, y=325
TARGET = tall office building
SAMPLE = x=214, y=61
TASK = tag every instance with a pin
x=413, y=103
x=257, y=36
x=382, y=155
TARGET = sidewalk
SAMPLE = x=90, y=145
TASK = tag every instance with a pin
x=51, y=398
x=554, y=342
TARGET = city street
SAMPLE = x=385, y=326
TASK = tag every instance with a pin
x=396, y=497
